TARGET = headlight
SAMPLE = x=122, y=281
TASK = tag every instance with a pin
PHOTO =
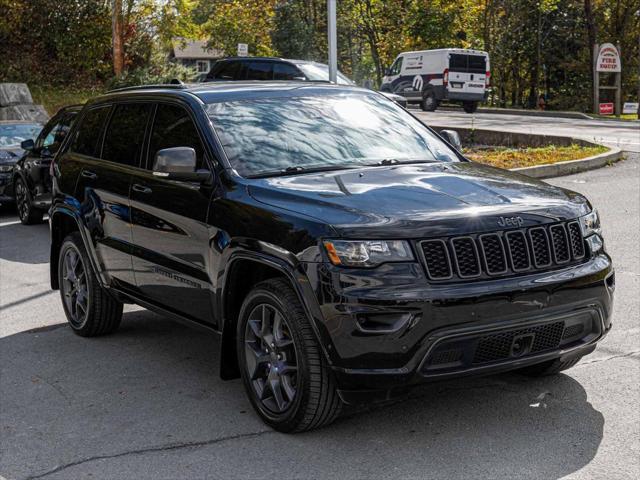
x=6, y=168
x=590, y=223
x=367, y=253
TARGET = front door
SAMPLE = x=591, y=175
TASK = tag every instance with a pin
x=168, y=217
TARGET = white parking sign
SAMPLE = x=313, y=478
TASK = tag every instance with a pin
x=243, y=49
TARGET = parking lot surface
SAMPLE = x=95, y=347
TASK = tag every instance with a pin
x=147, y=403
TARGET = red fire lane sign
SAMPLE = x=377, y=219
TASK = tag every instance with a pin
x=606, y=109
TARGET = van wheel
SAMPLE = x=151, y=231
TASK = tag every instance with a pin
x=285, y=375
x=429, y=102
x=89, y=308
x=470, y=107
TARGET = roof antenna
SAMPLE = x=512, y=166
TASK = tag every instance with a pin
x=176, y=81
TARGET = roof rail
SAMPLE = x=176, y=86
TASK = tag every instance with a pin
x=172, y=86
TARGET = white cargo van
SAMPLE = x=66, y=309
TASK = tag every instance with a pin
x=430, y=76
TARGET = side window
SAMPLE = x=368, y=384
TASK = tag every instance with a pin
x=125, y=135
x=260, y=71
x=89, y=132
x=396, y=67
x=285, y=71
x=55, y=136
x=173, y=127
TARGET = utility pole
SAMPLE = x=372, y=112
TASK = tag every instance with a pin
x=333, y=41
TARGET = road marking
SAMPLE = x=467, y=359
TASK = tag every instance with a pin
x=6, y=224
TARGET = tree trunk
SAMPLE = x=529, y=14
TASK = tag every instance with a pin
x=117, y=34
x=592, y=34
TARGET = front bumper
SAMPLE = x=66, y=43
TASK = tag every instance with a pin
x=6, y=187
x=382, y=328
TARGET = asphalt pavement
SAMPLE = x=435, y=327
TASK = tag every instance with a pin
x=617, y=133
x=146, y=402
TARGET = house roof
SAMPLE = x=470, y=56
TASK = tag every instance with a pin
x=196, y=49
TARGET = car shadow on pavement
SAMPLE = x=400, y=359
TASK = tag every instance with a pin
x=146, y=402
x=24, y=244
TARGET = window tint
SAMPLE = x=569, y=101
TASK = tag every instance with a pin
x=285, y=71
x=173, y=127
x=125, y=135
x=467, y=63
x=88, y=135
x=260, y=71
x=395, y=69
x=226, y=71
x=52, y=138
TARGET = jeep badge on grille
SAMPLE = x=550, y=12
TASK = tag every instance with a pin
x=510, y=221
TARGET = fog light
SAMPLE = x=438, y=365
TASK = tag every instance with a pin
x=595, y=243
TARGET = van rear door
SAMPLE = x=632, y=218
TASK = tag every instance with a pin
x=467, y=73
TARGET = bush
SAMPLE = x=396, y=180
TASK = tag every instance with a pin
x=159, y=71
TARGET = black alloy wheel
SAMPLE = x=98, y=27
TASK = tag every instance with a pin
x=287, y=379
x=74, y=287
x=271, y=359
x=26, y=212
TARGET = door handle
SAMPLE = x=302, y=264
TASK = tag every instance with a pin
x=141, y=188
x=88, y=174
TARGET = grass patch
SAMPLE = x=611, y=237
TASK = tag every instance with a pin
x=54, y=98
x=505, y=157
x=625, y=116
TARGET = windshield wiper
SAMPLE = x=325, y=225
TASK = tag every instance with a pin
x=299, y=169
x=396, y=161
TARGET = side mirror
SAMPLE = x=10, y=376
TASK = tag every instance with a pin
x=27, y=144
x=387, y=72
x=178, y=163
x=452, y=137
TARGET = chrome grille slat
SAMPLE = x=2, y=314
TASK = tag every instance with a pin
x=503, y=253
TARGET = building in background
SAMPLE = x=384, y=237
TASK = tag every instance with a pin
x=194, y=54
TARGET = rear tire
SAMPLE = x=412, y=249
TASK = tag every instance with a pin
x=470, y=107
x=550, y=367
x=277, y=349
x=28, y=214
x=429, y=102
x=90, y=309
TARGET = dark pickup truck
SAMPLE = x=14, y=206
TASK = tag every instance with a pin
x=343, y=250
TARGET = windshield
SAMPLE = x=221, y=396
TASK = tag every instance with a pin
x=319, y=72
x=269, y=135
x=13, y=135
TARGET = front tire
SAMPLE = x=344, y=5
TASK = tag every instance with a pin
x=285, y=375
x=90, y=309
x=429, y=102
x=27, y=213
x=470, y=107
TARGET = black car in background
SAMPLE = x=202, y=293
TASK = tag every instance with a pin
x=31, y=177
x=343, y=251
x=274, y=68
x=12, y=133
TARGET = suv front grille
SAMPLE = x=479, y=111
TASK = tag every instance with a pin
x=498, y=254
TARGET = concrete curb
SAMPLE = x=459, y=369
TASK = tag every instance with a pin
x=530, y=113
x=518, y=139
x=570, y=167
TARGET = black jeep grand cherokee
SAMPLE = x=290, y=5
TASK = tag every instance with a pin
x=343, y=250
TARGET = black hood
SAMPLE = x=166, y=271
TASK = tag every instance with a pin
x=10, y=155
x=419, y=200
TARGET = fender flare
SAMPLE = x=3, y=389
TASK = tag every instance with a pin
x=55, y=213
x=228, y=359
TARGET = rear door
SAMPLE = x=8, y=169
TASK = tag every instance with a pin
x=467, y=73
x=104, y=183
x=170, y=233
x=260, y=70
